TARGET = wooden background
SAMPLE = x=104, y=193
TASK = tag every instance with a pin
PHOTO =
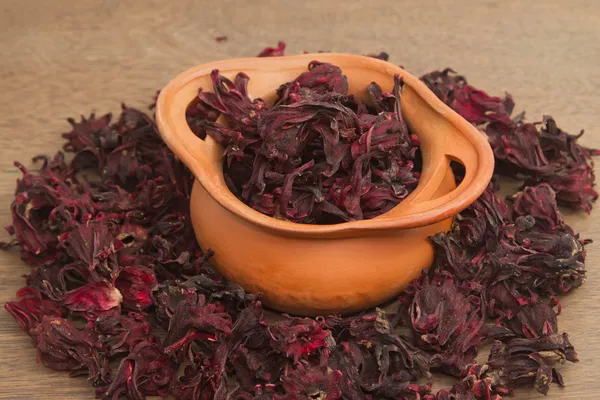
x=65, y=58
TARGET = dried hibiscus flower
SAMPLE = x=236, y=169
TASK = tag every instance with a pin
x=30, y=307
x=109, y=239
x=63, y=347
x=145, y=371
x=273, y=51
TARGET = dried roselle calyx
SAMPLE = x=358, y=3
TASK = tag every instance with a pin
x=273, y=51
x=93, y=299
x=572, y=175
x=529, y=361
x=534, y=321
x=120, y=334
x=322, y=78
x=231, y=99
x=312, y=382
x=444, y=83
x=299, y=338
x=383, y=101
x=192, y=321
x=474, y=105
x=518, y=149
x=539, y=202
x=63, y=347
x=437, y=312
x=30, y=308
x=216, y=290
x=375, y=360
x=146, y=371
x=446, y=321
x=472, y=388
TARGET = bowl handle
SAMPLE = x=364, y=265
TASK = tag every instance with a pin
x=198, y=155
x=467, y=155
x=476, y=157
x=446, y=137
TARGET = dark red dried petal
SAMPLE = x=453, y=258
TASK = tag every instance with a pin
x=63, y=347
x=146, y=371
x=273, y=51
x=195, y=320
x=93, y=299
x=135, y=283
x=305, y=382
x=300, y=338
x=30, y=308
x=529, y=361
x=539, y=202
x=549, y=155
x=118, y=335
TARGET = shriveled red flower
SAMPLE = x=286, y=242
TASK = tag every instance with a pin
x=273, y=51
x=93, y=299
x=146, y=371
x=135, y=283
x=30, y=307
x=522, y=361
x=120, y=334
x=63, y=347
x=195, y=320
x=305, y=382
x=300, y=338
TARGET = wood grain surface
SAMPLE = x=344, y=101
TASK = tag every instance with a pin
x=65, y=58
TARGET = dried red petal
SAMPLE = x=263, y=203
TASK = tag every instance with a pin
x=305, y=382
x=118, y=335
x=135, y=283
x=63, y=347
x=300, y=338
x=30, y=308
x=539, y=202
x=529, y=361
x=195, y=320
x=91, y=243
x=93, y=299
x=146, y=371
x=273, y=51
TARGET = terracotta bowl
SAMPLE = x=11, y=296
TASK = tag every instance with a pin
x=320, y=269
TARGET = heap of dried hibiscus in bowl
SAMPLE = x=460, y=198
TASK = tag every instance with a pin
x=318, y=155
x=121, y=294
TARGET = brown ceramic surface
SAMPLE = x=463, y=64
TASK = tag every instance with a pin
x=318, y=269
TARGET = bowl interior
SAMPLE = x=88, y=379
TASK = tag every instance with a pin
x=263, y=84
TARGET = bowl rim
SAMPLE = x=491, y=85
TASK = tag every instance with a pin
x=175, y=134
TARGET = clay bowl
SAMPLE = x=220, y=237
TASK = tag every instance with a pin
x=320, y=269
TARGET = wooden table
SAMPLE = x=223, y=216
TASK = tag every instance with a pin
x=64, y=58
